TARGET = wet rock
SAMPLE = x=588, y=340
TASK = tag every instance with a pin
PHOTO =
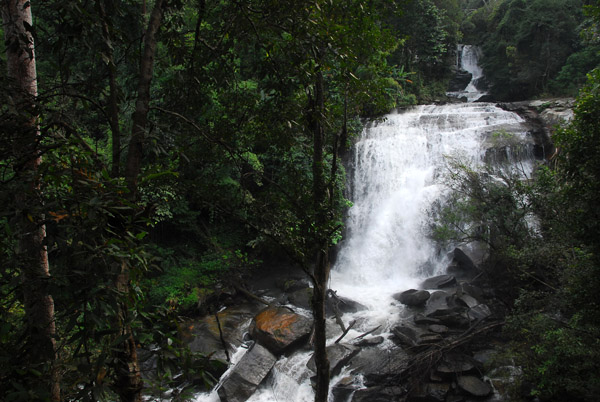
x=301, y=298
x=378, y=366
x=342, y=390
x=439, y=282
x=247, y=374
x=290, y=285
x=406, y=336
x=368, y=342
x=439, y=303
x=202, y=335
x=454, y=320
x=456, y=364
x=339, y=354
x=438, y=329
x=479, y=312
x=378, y=394
x=413, y=297
x=430, y=392
x=460, y=81
x=467, y=300
x=464, y=261
x=473, y=386
x=429, y=338
x=420, y=319
x=344, y=305
x=279, y=329
x=471, y=290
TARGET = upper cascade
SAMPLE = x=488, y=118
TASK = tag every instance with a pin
x=468, y=66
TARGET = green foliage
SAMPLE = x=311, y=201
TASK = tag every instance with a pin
x=532, y=47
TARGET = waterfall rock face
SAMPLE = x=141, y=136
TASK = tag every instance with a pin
x=469, y=83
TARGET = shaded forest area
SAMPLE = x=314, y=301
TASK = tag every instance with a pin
x=155, y=154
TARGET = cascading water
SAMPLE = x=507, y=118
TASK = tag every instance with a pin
x=469, y=61
x=397, y=174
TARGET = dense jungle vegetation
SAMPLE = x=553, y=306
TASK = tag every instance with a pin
x=156, y=153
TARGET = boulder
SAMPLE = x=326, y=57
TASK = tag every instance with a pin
x=280, y=329
x=473, y=386
x=420, y=319
x=339, y=354
x=344, y=304
x=378, y=366
x=202, y=335
x=479, y=312
x=454, y=363
x=439, y=303
x=301, y=298
x=467, y=300
x=438, y=329
x=430, y=392
x=463, y=260
x=406, y=336
x=247, y=374
x=378, y=394
x=439, y=282
x=372, y=341
x=342, y=390
x=460, y=81
x=412, y=297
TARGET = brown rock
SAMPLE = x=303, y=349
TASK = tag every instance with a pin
x=279, y=329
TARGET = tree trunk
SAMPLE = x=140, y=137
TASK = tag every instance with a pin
x=129, y=382
x=32, y=252
x=321, y=274
x=142, y=104
x=113, y=96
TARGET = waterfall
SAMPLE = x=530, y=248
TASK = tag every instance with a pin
x=396, y=174
x=468, y=60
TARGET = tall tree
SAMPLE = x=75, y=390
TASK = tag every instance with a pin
x=32, y=253
x=129, y=382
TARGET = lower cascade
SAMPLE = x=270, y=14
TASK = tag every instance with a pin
x=396, y=175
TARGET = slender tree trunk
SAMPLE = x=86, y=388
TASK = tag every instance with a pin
x=32, y=252
x=321, y=274
x=113, y=97
x=142, y=104
x=129, y=382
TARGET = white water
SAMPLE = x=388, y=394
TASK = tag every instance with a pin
x=397, y=173
x=469, y=61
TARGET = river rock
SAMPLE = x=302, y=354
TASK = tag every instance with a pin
x=460, y=81
x=474, y=386
x=342, y=390
x=247, y=374
x=454, y=363
x=438, y=282
x=279, y=329
x=406, y=336
x=339, y=354
x=430, y=392
x=438, y=329
x=378, y=366
x=203, y=336
x=301, y=298
x=420, y=319
x=467, y=300
x=412, y=297
x=344, y=305
x=439, y=303
x=463, y=260
x=479, y=312
x=372, y=341
x=378, y=394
